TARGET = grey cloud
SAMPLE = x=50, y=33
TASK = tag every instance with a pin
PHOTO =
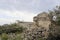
x=28, y=5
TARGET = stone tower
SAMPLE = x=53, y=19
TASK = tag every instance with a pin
x=42, y=20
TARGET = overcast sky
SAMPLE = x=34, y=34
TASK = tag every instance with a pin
x=12, y=10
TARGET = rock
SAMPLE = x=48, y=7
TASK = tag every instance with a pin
x=34, y=34
x=40, y=28
x=43, y=27
x=42, y=19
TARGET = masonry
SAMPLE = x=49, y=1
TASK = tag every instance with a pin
x=38, y=28
x=42, y=27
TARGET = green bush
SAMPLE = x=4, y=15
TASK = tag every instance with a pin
x=4, y=36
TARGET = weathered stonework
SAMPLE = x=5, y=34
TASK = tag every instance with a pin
x=42, y=20
x=40, y=29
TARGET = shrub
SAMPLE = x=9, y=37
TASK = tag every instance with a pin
x=4, y=36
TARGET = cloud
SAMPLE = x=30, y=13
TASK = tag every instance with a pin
x=12, y=10
x=7, y=16
x=6, y=21
x=28, y=5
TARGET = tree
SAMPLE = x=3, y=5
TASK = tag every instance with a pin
x=55, y=14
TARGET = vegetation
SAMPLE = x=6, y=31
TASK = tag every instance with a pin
x=11, y=32
x=56, y=13
x=4, y=36
x=55, y=27
x=11, y=28
x=14, y=31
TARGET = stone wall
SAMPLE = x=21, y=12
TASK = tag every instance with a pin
x=40, y=29
x=42, y=20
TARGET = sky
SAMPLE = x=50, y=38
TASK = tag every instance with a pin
x=23, y=10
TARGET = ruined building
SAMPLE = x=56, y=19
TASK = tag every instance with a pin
x=40, y=29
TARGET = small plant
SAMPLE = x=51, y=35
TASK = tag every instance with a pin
x=18, y=37
x=4, y=36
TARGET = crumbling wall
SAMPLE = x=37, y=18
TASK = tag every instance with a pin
x=40, y=28
x=42, y=20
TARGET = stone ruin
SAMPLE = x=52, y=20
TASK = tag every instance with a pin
x=42, y=24
x=40, y=29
